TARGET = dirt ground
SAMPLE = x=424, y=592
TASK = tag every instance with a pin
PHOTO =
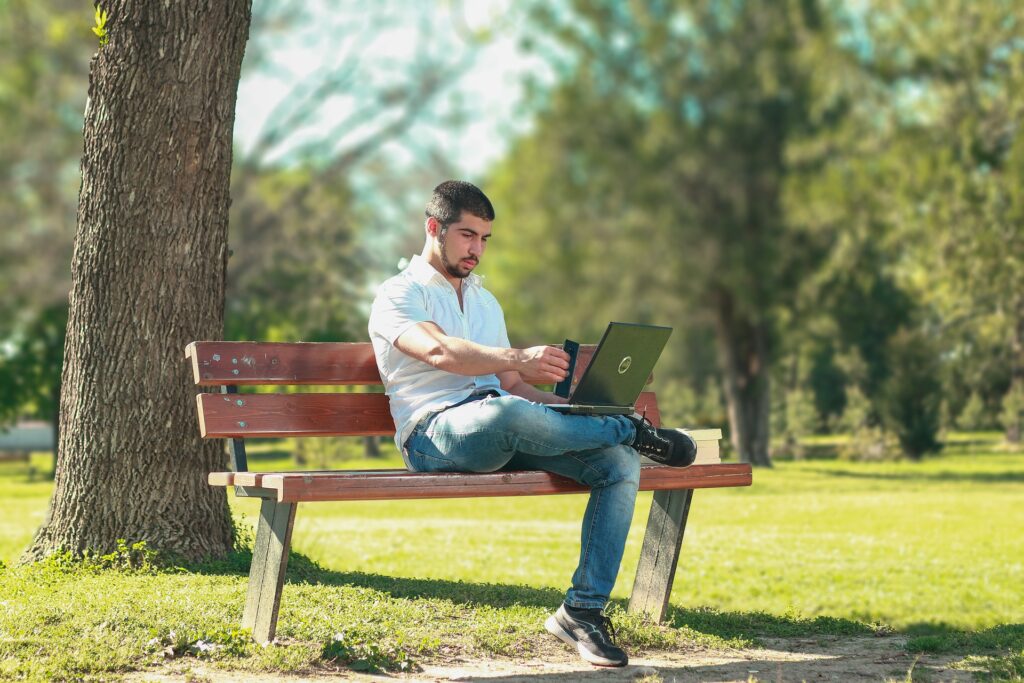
x=810, y=660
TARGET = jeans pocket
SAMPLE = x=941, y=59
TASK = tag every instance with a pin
x=424, y=457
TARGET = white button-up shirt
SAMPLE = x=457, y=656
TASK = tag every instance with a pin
x=421, y=294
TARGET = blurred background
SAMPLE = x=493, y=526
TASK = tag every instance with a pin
x=825, y=199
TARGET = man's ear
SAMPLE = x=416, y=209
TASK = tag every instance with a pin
x=433, y=226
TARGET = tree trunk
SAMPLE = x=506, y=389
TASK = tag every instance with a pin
x=371, y=446
x=1013, y=425
x=743, y=356
x=147, y=278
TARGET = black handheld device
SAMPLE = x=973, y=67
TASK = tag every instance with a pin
x=565, y=386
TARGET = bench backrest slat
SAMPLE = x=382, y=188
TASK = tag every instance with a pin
x=298, y=363
x=281, y=415
x=250, y=363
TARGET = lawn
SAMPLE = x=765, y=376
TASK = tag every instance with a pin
x=931, y=549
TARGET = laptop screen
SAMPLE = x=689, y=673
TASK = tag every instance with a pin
x=621, y=365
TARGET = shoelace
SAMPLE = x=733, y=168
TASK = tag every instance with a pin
x=607, y=624
x=652, y=440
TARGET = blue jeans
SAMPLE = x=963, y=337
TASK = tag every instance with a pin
x=485, y=434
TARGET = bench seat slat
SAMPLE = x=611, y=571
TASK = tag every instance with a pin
x=283, y=415
x=404, y=485
x=215, y=363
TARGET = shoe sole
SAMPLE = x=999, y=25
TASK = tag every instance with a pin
x=555, y=629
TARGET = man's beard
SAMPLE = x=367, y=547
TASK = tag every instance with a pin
x=454, y=269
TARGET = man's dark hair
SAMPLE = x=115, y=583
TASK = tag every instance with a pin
x=452, y=197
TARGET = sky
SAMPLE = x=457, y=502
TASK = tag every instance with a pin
x=482, y=36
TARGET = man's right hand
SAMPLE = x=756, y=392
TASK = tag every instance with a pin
x=543, y=364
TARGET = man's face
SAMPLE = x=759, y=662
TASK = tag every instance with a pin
x=462, y=245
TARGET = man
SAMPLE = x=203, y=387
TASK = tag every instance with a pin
x=460, y=404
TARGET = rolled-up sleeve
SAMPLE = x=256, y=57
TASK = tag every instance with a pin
x=397, y=307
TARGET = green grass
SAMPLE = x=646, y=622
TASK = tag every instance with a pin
x=932, y=550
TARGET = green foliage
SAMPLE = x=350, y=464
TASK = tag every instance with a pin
x=952, y=179
x=43, y=71
x=974, y=414
x=1006, y=669
x=1012, y=415
x=869, y=444
x=100, y=29
x=30, y=367
x=857, y=413
x=134, y=558
x=211, y=644
x=295, y=272
x=370, y=657
x=910, y=398
x=801, y=418
x=867, y=441
x=672, y=193
x=322, y=454
x=681, y=405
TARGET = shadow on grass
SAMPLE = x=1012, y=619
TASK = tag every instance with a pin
x=302, y=569
x=752, y=625
x=937, y=638
x=1005, y=476
x=831, y=451
x=922, y=637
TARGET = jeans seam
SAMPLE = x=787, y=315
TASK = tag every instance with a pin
x=590, y=468
x=585, y=604
x=596, y=493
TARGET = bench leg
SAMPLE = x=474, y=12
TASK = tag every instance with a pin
x=266, y=575
x=660, y=553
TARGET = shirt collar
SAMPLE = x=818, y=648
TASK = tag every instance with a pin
x=421, y=271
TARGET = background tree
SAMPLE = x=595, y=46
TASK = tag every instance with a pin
x=42, y=68
x=30, y=368
x=299, y=231
x=910, y=396
x=691, y=111
x=956, y=196
x=147, y=277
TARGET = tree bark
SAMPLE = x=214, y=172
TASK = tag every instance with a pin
x=148, y=277
x=743, y=355
x=55, y=428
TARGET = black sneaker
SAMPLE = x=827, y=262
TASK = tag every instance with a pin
x=588, y=630
x=672, y=447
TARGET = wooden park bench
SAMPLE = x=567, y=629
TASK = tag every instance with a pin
x=237, y=416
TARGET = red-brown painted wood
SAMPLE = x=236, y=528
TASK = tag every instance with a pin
x=223, y=362
x=404, y=485
x=215, y=363
x=281, y=415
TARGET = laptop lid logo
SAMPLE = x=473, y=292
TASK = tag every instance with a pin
x=624, y=365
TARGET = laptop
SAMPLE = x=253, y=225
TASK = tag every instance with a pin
x=618, y=371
